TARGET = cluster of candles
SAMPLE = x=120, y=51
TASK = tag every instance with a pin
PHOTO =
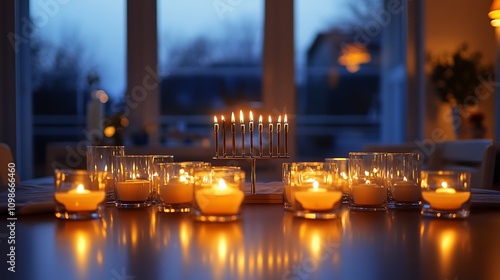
x=260, y=129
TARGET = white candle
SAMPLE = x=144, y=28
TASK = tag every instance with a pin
x=446, y=198
x=133, y=190
x=317, y=198
x=176, y=191
x=219, y=199
x=80, y=199
x=405, y=191
x=368, y=194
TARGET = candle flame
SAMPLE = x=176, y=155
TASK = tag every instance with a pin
x=260, y=119
x=222, y=118
x=241, y=116
x=232, y=117
x=315, y=185
x=251, y=116
x=222, y=184
x=404, y=179
x=286, y=120
x=279, y=118
x=215, y=119
x=444, y=185
x=80, y=188
x=270, y=120
x=367, y=182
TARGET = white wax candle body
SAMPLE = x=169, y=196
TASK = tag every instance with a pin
x=318, y=199
x=74, y=201
x=176, y=192
x=446, y=201
x=133, y=190
x=368, y=194
x=219, y=202
x=405, y=191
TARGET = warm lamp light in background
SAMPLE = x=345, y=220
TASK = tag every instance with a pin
x=353, y=55
x=494, y=13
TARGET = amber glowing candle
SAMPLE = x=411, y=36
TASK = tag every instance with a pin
x=242, y=125
x=233, y=132
x=278, y=131
x=260, y=135
x=250, y=128
x=270, y=136
x=286, y=135
x=223, y=136
x=216, y=131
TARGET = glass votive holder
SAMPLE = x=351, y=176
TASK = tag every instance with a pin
x=155, y=181
x=133, y=176
x=176, y=186
x=101, y=159
x=445, y=194
x=314, y=192
x=289, y=174
x=78, y=194
x=341, y=178
x=403, y=180
x=368, y=190
x=218, y=194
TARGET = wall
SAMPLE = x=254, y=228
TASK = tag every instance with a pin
x=449, y=23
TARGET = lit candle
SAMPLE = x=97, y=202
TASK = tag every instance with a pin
x=270, y=136
x=405, y=191
x=369, y=194
x=278, y=131
x=286, y=135
x=317, y=198
x=177, y=190
x=446, y=198
x=133, y=190
x=223, y=136
x=260, y=135
x=219, y=199
x=233, y=131
x=242, y=125
x=80, y=199
x=216, y=130
x=250, y=128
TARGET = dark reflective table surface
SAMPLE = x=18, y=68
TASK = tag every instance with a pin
x=267, y=243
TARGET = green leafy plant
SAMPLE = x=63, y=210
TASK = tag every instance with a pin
x=456, y=77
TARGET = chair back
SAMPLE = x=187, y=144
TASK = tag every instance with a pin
x=476, y=156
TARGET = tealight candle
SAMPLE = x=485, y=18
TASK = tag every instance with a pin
x=176, y=191
x=80, y=199
x=405, y=191
x=318, y=198
x=446, y=198
x=219, y=199
x=133, y=190
x=369, y=194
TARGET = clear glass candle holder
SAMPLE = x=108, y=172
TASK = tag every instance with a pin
x=403, y=180
x=218, y=194
x=176, y=186
x=78, y=194
x=445, y=194
x=155, y=180
x=341, y=178
x=100, y=159
x=133, y=181
x=368, y=190
x=289, y=174
x=314, y=192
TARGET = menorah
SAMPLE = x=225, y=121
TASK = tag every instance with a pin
x=255, y=152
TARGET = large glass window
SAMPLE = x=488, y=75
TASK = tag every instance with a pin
x=338, y=74
x=77, y=66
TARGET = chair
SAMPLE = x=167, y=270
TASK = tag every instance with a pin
x=476, y=156
x=5, y=159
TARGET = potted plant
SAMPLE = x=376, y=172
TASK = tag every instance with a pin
x=457, y=78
